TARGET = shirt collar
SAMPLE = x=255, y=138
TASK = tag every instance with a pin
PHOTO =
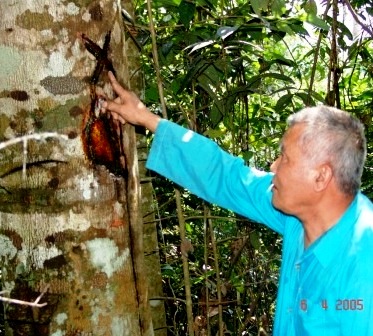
x=329, y=244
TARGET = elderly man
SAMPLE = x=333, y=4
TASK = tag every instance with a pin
x=311, y=197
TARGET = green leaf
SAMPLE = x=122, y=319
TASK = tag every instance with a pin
x=259, y=6
x=278, y=76
x=299, y=29
x=206, y=3
x=152, y=94
x=199, y=65
x=166, y=48
x=368, y=95
x=165, y=3
x=254, y=81
x=214, y=74
x=247, y=155
x=186, y=12
x=282, y=26
x=204, y=82
x=310, y=7
x=345, y=32
x=217, y=113
x=317, y=22
x=283, y=102
x=175, y=86
x=282, y=60
x=214, y=133
x=307, y=100
x=167, y=270
x=254, y=240
x=188, y=228
x=240, y=288
x=278, y=8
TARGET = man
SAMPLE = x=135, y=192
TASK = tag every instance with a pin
x=311, y=197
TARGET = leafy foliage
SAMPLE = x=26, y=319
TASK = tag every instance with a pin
x=234, y=71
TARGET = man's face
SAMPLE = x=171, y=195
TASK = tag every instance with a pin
x=293, y=188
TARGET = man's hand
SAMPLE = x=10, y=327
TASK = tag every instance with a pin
x=127, y=107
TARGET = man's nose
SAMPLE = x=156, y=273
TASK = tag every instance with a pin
x=274, y=165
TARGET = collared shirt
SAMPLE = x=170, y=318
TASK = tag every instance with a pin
x=326, y=289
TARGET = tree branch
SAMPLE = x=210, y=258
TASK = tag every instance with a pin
x=25, y=138
x=356, y=18
x=25, y=303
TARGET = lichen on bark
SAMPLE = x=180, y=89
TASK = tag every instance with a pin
x=67, y=224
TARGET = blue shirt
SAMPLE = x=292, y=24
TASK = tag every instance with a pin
x=326, y=289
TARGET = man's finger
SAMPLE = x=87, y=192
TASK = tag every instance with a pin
x=120, y=91
x=118, y=100
x=117, y=117
x=111, y=106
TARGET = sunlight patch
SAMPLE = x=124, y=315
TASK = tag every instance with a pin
x=187, y=136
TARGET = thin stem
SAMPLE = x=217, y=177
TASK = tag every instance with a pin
x=35, y=136
x=155, y=59
x=26, y=303
x=206, y=257
x=217, y=271
x=315, y=58
x=188, y=294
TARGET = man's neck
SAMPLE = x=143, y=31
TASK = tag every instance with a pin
x=323, y=217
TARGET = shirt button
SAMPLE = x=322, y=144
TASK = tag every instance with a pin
x=297, y=267
x=290, y=310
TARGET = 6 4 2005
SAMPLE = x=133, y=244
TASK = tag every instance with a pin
x=349, y=304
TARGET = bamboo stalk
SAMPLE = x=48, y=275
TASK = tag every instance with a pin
x=217, y=270
x=155, y=59
x=206, y=255
x=188, y=294
x=315, y=58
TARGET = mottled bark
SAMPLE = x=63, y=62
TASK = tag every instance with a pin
x=69, y=225
x=151, y=279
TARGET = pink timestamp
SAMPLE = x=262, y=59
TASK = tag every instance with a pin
x=345, y=304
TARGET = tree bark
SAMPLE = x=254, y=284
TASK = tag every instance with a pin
x=67, y=224
x=151, y=245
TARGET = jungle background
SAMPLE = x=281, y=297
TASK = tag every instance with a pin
x=233, y=71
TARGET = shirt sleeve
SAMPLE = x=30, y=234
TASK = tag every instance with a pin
x=202, y=167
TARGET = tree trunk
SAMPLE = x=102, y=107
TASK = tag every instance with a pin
x=70, y=220
x=151, y=249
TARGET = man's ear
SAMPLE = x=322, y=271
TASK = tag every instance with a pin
x=323, y=176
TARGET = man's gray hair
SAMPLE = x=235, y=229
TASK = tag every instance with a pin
x=335, y=137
